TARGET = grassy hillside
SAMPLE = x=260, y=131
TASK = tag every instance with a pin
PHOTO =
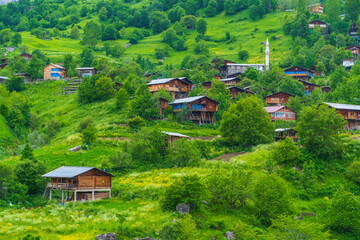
x=249, y=35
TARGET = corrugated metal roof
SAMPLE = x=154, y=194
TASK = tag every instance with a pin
x=55, y=65
x=187, y=100
x=67, y=172
x=228, y=79
x=344, y=106
x=165, y=80
x=282, y=129
x=291, y=95
x=273, y=109
x=86, y=68
x=174, y=134
x=3, y=77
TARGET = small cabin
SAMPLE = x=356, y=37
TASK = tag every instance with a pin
x=348, y=63
x=282, y=133
x=27, y=56
x=351, y=114
x=280, y=113
x=171, y=137
x=86, y=72
x=316, y=8
x=201, y=109
x=234, y=91
x=3, y=79
x=163, y=104
x=4, y=63
x=299, y=73
x=178, y=87
x=309, y=87
x=318, y=23
x=79, y=183
x=353, y=32
x=278, y=98
x=355, y=50
x=26, y=76
x=55, y=72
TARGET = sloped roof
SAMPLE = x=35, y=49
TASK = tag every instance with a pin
x=166, y=80
x=190, y=99
x=310, y=83
x=344, y=106
x=317, y=21
x=175, y=134
x=86, y=68
x=55, y=65
x=69, y=172
x=241, y=89
x=291, y=95
x=1, y=77
x=288, y=69
x=353, y=46
x=228, y=79
x=273, y=109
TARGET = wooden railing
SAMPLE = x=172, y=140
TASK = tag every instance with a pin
x=72, y=186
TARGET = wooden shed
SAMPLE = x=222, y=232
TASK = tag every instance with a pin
x=282, y=133
x=234, y=91
x=85, y=183
x=309, y=87
x=201, y=109
x=278, y=98
x=318, y=23
x=170, y=137
x=228, y=82
x=27, y=56
x=178, y=87
x=163, y=104
x=86, y=72
x=355, y=50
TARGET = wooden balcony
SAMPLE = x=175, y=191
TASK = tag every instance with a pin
x=68, y=186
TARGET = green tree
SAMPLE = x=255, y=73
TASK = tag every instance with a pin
x=243, y=54
x=301, y=6
x=85, y=123
x=122, y=97
x=201, y=26
x=343, y=215
x=86, y=90
x=103, y=14
x=35, y=68
x=332, y=11
x=183, y=153
x=15, y=83
x=110, y=33
x=271, y=197
x=70, y=65
x=188, y=21
x=104, y=88
x=219, y=92
x=75, y=33
x=319, y=129
x=246, y=123
x=27, y=153
x=136, y=123
x=354, y=171
x=92, y=33
x=159, y=21
x=87, y=57
x=211, y=9
x=286, y=152
x=352, y=9
x=143, y=104
x=187, y=189
x=88, y=135
x=253, y=12
x=16, y=39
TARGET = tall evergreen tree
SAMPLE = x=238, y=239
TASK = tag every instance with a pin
x=333, y=11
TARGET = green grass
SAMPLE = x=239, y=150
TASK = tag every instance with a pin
x=244, y=31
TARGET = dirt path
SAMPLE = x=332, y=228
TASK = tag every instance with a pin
x=228, y=156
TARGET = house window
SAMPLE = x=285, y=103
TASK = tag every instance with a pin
x=280, y=115
x=272, y=114
x=272, y=99
x=290, y=115
x=281, y=99
x=352, y=114
x=47, y=69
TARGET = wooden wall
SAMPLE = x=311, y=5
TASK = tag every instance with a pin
x=277, y=99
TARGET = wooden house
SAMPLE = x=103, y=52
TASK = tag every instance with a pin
x=201, y=109
x=282, y=133
x=280, y=113
x=27, y=56
x=4, y=63
x=316, y=8
x=232, y=75
x=53, y=71
x=278, y=98
x=348, y=63
x=86, y=72
x=228, y=82
x=299, y=73
x=163, y=104
x=234, y=91
x=3, y=79
x=85, y=183
x=355, y=50
x=171, y=137
x=309, y=87
x=353, y=32
x=26, y=76
x=318, y=23
x=241, y=68
x=178, y=87
x=351, y=114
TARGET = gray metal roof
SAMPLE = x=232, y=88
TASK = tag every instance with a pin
x=165, y=80
x=344, y=106
x=282, y=129
x=67, y=172
x=86, y=68
x=174, y=134
x=228, y=79
x=1, y=77
x=187, y=100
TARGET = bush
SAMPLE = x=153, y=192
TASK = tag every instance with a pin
x=187, y=189
x=183, y=153
x=53, y=127
x=121, y=161
x=286, y=152
x=136, y=123
x=243, y=55
x=85, y=123
x=15, y=83
x=89, y=135
x=354, y=171
x=122, y=97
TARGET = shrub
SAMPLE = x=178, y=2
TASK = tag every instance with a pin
x=136, y=123
x=183, y=153
x=89, y=135
x=122, y=97
x=121, y=161
x=243, y=55
x=354, y=171
x=187, y=189
x=85, y=123
x=53, y=127
x=286, y=152
x=15, y=83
